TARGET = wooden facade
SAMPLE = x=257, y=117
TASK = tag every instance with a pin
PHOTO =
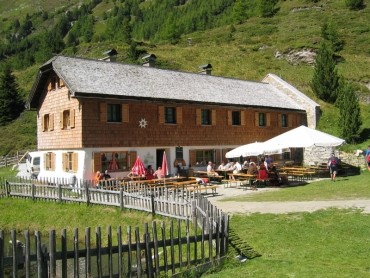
x=111, y=122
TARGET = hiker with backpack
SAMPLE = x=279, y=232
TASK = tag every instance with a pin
x=333, y=166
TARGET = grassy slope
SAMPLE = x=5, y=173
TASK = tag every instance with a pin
x=248, y=53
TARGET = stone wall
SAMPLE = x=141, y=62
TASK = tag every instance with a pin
x=319, y=155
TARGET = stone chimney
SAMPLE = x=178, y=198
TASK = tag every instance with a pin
x=206, y=69
x=110, y=55
x=149, y=60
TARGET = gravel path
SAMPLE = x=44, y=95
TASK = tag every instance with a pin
x=233, y=207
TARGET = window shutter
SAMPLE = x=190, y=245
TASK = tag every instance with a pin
x=268, y=119
x=42, y=123
x=133, y=156
x=97, y=162
x=61, y=82
x=45, y=160
x=198, y=116
x=103, y=112
x=72, y=118
x=52, y=162
x=290, y=120
x=51, y=122
x=213, y=111
x=280, y=120
x=161, y=114
x=74, y=162
x=64, y=161
x=229, y=118
x=192, y=157
x=242, y=117
x=178, y=115
x=61, y=119
x=218, y=158
x=256, y=118
x=125, y=113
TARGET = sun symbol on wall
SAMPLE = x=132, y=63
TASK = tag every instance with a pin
x=143, y=123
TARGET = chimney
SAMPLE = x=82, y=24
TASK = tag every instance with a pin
x=206, y=69
x=111, y=55
x=149, y=60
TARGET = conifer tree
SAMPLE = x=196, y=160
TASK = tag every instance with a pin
x=350, y=113
x=11, y=103
x=325, y=79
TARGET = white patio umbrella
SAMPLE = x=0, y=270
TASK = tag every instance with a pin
x=253, y=149
x=304, y=137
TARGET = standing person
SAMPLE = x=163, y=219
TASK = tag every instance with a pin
x=367, y=157
x=333, y=166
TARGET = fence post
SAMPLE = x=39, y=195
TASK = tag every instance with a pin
x=121, y=205
x=60, y=193
x=87, y=191
x=153, y=204
x=7, y=188
x=42, y=263
x=194, y=211
x=33, y=189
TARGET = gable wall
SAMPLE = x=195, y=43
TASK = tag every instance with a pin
x=53, y=103
x=128, y=134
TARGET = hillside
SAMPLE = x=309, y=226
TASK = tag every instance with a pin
x=238, y=45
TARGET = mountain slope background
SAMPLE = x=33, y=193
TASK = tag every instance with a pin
x=236, y=36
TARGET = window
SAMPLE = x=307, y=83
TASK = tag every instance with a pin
x=47, y=122
x=170, y=115
x=70, y=162
x=66, y=122
x=114, y=161
x=261, y=119
x=235, y=115
x=49, y=161
x=284, y=120
x=203, y=156
x=206, y=117
x=67, y=119
x=114, y=113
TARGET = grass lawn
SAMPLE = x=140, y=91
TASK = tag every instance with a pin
x=326, y=243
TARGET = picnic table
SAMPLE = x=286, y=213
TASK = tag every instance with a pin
x=246, y=180
x=211, y=176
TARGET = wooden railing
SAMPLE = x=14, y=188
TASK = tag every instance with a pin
x=14, y=159
x=150, y=254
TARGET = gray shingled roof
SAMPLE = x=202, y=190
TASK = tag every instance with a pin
x=85, y=77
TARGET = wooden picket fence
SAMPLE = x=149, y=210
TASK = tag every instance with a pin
x=152, y=253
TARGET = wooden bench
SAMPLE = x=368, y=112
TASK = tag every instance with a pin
x=203, y=188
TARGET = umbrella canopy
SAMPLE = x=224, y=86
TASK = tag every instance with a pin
x=304, y=137
x=139, y=167
x=164, y=165
x=253, y=149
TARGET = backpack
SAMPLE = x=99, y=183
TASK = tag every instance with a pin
x=368, y=158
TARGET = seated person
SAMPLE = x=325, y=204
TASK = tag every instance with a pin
x=274, y=176
x=106, y=175
x=222, y=166
x=252, y=169
x=210, y=170
x=159, y=173
x=149, y=174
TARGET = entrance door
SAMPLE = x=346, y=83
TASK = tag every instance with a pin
x=159, y=157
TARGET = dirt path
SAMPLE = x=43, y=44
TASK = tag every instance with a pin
x=278, y=207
